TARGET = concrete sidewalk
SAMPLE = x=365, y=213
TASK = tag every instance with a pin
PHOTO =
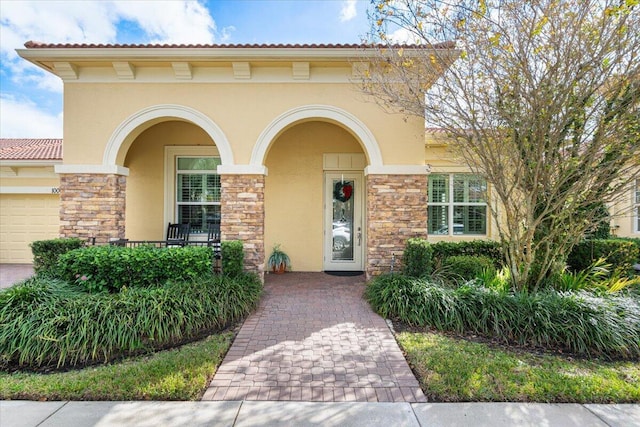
x=254, y=413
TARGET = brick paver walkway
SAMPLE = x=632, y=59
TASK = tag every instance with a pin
x=314, y=338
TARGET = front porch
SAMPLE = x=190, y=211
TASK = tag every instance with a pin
x=394, y=212
x=174, y=171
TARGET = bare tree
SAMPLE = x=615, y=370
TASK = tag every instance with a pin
x=542, y=99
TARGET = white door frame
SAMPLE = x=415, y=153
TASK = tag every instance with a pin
x=358, y=237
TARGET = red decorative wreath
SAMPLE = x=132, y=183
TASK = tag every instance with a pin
x=342, y=191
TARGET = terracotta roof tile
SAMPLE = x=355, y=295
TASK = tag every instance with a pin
x=30, y=149
x=41, y=45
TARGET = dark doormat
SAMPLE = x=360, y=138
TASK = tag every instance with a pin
x=343, y=273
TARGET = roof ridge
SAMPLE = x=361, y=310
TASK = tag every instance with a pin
x=42, y=45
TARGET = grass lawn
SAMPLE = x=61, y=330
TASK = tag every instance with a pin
x=178, y=374
x=456, y=370
x=449, y=369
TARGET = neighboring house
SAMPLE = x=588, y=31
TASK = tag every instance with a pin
x=276, y=142
x=29, y=199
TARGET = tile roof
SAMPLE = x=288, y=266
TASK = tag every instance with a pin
x=30, y=149
x=41, y=45
x=435, y=130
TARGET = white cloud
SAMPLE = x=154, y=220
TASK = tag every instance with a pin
x=93, y=21
x=348, y=11
x=96, y=22
x=225, y=33
x=56, y=22
x=170, y=21
x=23, y=119
x=402, y=36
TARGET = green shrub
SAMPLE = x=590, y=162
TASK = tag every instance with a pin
x=45, y=323
x=621, y=254
x=597, y=278
x=487, y=248
x=232, y=258
x=634, y=240
x=499, y=281
x=467, y=267
x=583, y=279
x=110, y=268
x=576, y=321
x=417, y=258
x=47, y=252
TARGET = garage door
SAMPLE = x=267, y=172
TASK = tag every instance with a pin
x=23, y=219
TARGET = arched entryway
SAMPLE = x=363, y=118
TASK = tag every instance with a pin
x=309, y=152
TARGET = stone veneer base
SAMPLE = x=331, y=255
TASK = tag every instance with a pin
x=92, y=206
x=396, y=211
x=242, y=207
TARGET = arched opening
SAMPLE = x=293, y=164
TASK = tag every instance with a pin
x=297, y=208
x=159, y=191
x=326, y=113
x=133, y=126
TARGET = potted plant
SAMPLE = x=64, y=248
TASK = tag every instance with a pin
x=278, y=261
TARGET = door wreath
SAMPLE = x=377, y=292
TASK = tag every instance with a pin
x=343, y=191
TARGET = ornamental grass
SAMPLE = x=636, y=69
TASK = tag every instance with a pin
x=579, y=322
x=49, y=323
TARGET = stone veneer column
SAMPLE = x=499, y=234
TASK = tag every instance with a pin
x=92, y=205
x=242, y=206
x=396, y=211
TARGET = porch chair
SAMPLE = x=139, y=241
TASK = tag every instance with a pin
x=178, y=234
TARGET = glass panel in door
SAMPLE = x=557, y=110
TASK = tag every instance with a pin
x=343, y=219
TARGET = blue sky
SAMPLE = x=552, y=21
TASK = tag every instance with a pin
x=31, y=100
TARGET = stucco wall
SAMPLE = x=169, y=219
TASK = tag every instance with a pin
x=623, y=216
x=242, y=111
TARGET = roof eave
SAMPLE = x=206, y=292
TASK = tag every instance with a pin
x=29, y=163
x=109, y=54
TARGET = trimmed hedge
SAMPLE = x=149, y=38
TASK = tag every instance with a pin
x=47, y=252
x=111, y=268
x=232, y=258
x=579, y=322
x=634, y=240
x=620, y=253
x=419, y=255
x=486, y=248
x=417, y=258
x=49, y=323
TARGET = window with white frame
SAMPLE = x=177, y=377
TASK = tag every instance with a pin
x=457, y=204
x=197, y=192
x=636, y=206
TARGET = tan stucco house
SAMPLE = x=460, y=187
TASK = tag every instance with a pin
x=276, y=142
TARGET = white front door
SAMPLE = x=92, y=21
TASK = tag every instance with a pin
x=344, y=238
